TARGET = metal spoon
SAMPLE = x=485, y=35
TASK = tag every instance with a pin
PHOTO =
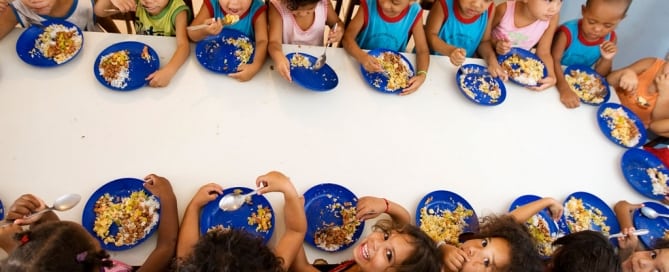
x=232, y=202
x=321, y=61
x=652, y=214
x=63, y=203
x=636, y=232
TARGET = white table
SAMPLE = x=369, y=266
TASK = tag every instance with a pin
x=64, y=132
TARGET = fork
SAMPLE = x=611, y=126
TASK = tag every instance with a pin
x=321, y=61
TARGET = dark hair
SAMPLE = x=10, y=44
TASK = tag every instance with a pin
x=524, y=255
x=584, y=251
x=660, y=244
x=56, y=246
x=295, y=4
x=627, y=4
x=425, y=257
x=231, y=250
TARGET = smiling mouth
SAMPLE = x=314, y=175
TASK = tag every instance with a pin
x=365, y=251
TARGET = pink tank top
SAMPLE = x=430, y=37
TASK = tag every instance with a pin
x=293, y=34
x=524, y=37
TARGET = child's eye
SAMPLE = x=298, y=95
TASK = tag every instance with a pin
x=484, y=242
x=386, y=236
x=653, y=254
x=389, y=255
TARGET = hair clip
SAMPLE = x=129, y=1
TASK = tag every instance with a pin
x=82, y=256
x=24, y=239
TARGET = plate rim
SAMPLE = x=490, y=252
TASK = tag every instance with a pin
x=199, y=47
x=366, y=75
x=307, y=86
x=604, y=128
x=49, y=63
x=500, y=83
x=523, y=53
x=473, y=226
x=591, y=71
x=633, y=152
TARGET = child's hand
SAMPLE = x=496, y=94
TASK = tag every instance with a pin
x=215, y=26
x=662, y=84
x=244, y=73
x=371, y=64
x=555, y=209
x=544, y=83
x=569, y=99
x=454, y=258
x=24, y=206
x=206, y=194
x=282, y=65
x=160, y=78
x=159, y=186
x=502, y=47
x=7, y=232
x=124, y=5
x=608, y=50
x=334, y=36
x=369, y=207
x=629, y=81
x=496, y=71
x=629, y=240
x=275, y=182
x=414, y=84
x=458, y=56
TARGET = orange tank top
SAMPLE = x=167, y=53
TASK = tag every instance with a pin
x=643, y=102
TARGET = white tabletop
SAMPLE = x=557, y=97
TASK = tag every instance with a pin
x=63, y=132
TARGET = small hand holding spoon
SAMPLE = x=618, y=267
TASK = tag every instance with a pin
x=652, y=214
x=63, y=203
x=232, y=202
x=636, y=232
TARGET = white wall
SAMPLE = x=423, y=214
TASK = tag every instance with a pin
x=643, y=33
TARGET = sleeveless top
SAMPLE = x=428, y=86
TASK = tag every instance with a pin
x=578, y=50
x=646, y=78
x=381, y=31
x=524, y=37
x=162, y=24
x=80, y=14
x=246, y=20
x=460, y=32
x=293, y=34
x=335, y=267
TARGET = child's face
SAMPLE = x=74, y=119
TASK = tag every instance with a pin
x=600, y=18
x=236, y=7
x=304, y=10
x=544, y=9
x=380, y=251
x=473, y=8
x=647, y=261
x=392, y=8
x=154, y=7
x=490, y=254
x=41, y=7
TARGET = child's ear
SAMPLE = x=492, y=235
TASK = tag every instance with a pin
x=583, y=9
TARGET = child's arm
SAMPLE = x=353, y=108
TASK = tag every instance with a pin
x=352, y=30
x=422, y=57
x=625, y=79
x=454, y=257
x=544, y=53
x=7, y=241
x=189, y=233
x=301, y=264
x=203, y=17
x=162, y=77
x=660, y=120
x=103, y=8
x=294, y=216
x=500, y=41
x=435, y=20
x=488, y=54
x=568, y=98
x=275, y=49
x=26, y=205
x=332, y=19
x=629, y=243
x=608, y=50
x=7, y=22
x=370, y=207
x=525, y=212
x=168, y=229
x=246, y=71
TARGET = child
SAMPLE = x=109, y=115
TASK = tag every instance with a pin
x=159, y=18
x=461, y=28
x=66, y=246
x=392, y=246
x=28, y=12
x=234, y=250
x=588, y=41
x=643, y=87
x=525, y=24
x=634, y=257
x=388, y=24
x=300, y=22
x=252, y=22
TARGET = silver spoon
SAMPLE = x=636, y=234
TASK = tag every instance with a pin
x=636, y=232
x=652, y=214
x=232, y=202
x=321, y=61
x=63, y=203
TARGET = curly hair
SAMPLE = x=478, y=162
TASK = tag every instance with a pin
x=56, y=246
x=524, y=256
x=627, y=4
x=584, y=251
x=661, y=244
x=231, y=250
x=426, y=257
x=295, y=4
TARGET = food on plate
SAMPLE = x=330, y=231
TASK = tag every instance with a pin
x=579, y=218
x=486, y=85
x=244, y=48
x=444, y=225
x=134, y=216
x=219, y=228
x=331, y=237
x=527, y=71
x=666, y=235
x=145, y=54
x=538, y=227
x=299, y=60
x=114, y=68
x=658, y=180
x=622, y=127
x=58, y=42
x=230, y=19
x=588, y=87
x=398, y=72
x=262, y=219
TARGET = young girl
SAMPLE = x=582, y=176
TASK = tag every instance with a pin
x=634, y=257
x=28, y=12
x=460, y=28
x=66, y=246
x=300, y=22
x=643, y=87
x=524, y=24
x=252, y=22
x=234, y=250
x=159, y=18
x=588, y=41
x=388, y=24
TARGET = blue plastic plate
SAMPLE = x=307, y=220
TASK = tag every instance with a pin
x=470, y=76
x=323, y=79
x=138, y=68
x=28, y=51
x=542, y=215
x=606, y=125
x=318, y=201
x=590, y=202
x=2, y=211
x=118, y=189
x=213, y=216
x=523, y=54
x=657, y=227
x=379, y=81
x=634, y=163
x=218, y=55
x=447, y=201
x=591, y=73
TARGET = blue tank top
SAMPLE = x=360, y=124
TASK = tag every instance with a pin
x=461, y=32
x=246, y=21
x=578, y=50
x=380, y=31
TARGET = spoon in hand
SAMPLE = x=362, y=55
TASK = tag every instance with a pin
x=652, y=214
x=636, y=232
x=321, y=61
x=63, y=203
x=232, y=202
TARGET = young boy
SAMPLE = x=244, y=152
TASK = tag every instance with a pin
x=588, y=41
